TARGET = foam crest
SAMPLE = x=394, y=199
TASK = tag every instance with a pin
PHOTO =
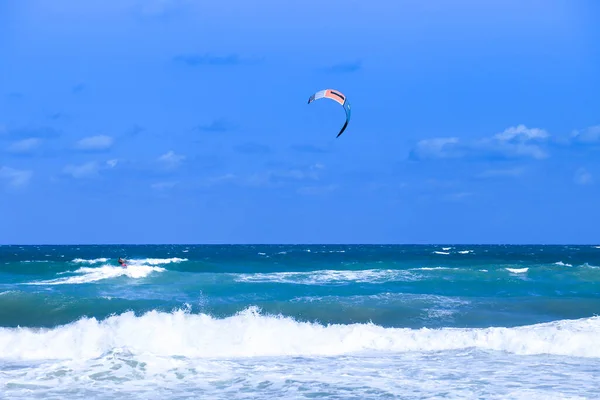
x=329, y=276
x=562, y=264
x=517, y=270
x=156, y=261
x=250, y=334
x=92, y=261
x=88, y=275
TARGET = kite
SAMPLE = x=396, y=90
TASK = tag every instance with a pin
x=336, y=96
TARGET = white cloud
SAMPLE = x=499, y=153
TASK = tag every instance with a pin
x=583, y=177
x=24, y=146
x=518, y=141
x=436, y=148
x=99, y=142
x=521, y=132
x=15, y=177
x=112, y=163
x=171, y=159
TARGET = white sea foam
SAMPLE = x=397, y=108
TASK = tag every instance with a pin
x=517, y=270
x=458, y=374
x=322, y=277
x=562, y=264
x=465, y=251
x=441, y=252
x=92, y=261
x=250, y=334
x=155, y=261
x=94, y=274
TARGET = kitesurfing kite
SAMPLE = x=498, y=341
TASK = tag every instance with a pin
x=336, y=96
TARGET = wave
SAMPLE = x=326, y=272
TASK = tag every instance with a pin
x=328, y=276
x=92, y=261
x=156, y=261
x=517, y=270
x=562, y=264
x=88, y=274
x=149, y=261
x=250, y=334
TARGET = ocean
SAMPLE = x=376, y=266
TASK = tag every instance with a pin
x=299, y=322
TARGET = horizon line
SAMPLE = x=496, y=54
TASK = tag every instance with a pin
x=303, y=244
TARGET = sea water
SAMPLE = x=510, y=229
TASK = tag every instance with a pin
x=295, y=322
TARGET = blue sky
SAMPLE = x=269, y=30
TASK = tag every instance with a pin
x=180, y=121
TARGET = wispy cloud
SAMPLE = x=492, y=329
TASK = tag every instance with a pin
x=437, y=148
x=587, y=136
x=583, y=177
x=317, y=190
x=135, y=130
x=195, y=60
x=506, y=172
x=218, y=125
x=15, y=177
x=57, y=116
x=252, y=148
x=221, y=179
x=280, y=177
x=90, y=169
x=24, y=146
x=15, y=95
x=43, y=132
x=171, y=160
x=78, y=88
x=163, y=185
x=309, y=148
x=86, y=170
x=344, y=68
x=458, y=196
x=95, y=143
x=514, y=142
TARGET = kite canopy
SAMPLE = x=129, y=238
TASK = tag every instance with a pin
x=336, y=96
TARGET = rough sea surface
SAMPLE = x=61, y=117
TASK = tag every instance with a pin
x=296, y=322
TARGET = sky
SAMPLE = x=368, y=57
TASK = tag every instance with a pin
x=180, y=121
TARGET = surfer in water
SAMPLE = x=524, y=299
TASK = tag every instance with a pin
x=122, y=262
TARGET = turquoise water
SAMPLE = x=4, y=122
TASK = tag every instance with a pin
x=300, y=321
